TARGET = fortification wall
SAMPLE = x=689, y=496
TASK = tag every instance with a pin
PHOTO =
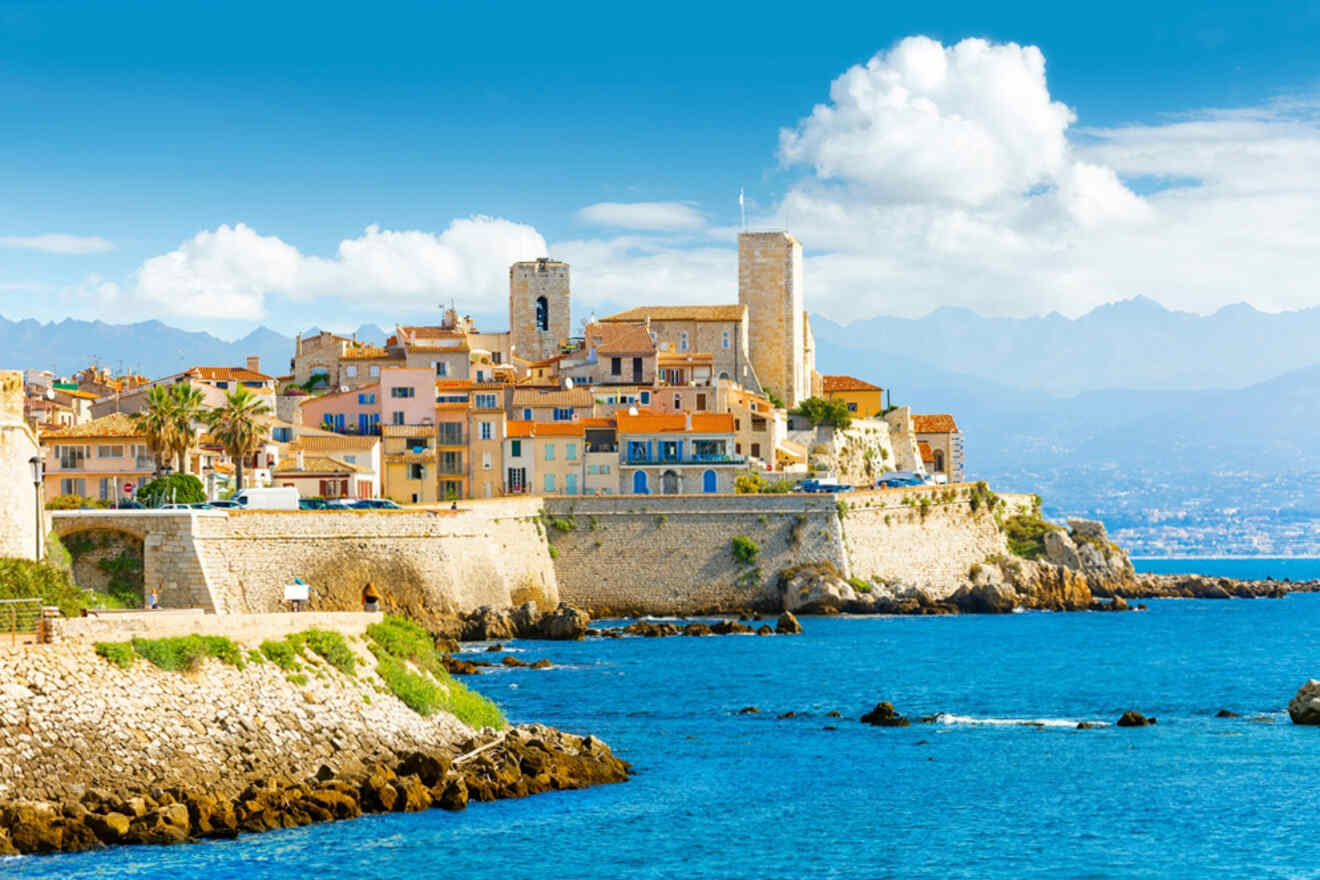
x=250, y=629
x=18, y=498
x=668, y=554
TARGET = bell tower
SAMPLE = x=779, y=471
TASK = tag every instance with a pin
x=539, y=307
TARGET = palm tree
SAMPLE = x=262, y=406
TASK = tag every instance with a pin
x=189, y=409
x=235, y=427
x=156, y=423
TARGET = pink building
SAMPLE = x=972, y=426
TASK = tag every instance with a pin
x=407, y=396
x=356, y=411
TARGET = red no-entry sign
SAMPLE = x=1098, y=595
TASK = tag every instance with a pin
x=128, y=488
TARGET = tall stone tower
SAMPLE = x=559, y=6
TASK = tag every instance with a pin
x=770, y=285
x=19, y=504
x=539, y=307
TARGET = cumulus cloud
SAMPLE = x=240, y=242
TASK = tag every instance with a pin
x=232, y=271
x=57, y=243
x=652, y=216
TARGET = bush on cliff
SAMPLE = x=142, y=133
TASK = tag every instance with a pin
x=744, y=549
x=331, y=646
x=119, y=653
x=1026, y=534
x=25, y=579
x=281, y=653
x=396, y=642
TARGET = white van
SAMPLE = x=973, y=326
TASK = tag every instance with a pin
x=283, y=498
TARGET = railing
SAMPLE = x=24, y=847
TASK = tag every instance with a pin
x=602, y=447
x=20, y=617
x=449, y=470
x=684, y=459
x=449, y=438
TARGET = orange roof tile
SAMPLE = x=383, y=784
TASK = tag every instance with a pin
x=518, y=429
x=237, y=374
x=847, y=383
x=558, y=429
x=702, y=423
x=924, y=448
x=619, y=337
x=557, y=397
x=680, y=313
x=113, y=425
x=941, y=423
x=602, y=422
x=369, y=353
x=674, y=358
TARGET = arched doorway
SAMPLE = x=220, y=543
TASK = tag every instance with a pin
x=939, y=461
x=709, y=482
x=670, y=483
x=639, y=483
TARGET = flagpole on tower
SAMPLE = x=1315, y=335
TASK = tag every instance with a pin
x=742, y=209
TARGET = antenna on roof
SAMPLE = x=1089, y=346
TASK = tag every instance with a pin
x=742, y=209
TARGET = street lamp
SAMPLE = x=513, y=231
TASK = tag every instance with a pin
x=35, y=463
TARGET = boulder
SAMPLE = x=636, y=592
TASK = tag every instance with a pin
x=986, y=598
x=788, y=625
x=697, y=629
x=749, y=710
x=764, y=630
x=650, y=629
x=1132, y=718
x=1304, y=707
x=730, y=628
x=1224, y=713
x=815, y=588
x=525, y=619
x=542, y=664
x=884, y=715
x=34, y=827
x=109, y=827
x=453, y=795
x=565, y=623
x=413, y=795
x=429, y=768
x=1061, y=550
x=510, y=660
x=487, y=623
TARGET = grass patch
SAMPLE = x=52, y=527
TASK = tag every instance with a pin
x=282, y=654
x=397, y=642
x=296, y=678
x=119, y=653
x=186, y=652
x=333, y=648
x=859, y=585
x=563, y=525
x=25, y=579
x=1026, y=534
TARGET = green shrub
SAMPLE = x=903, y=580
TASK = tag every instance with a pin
x=296, y=678
x=744, y=549
x=125, y=584
x=57, y=554
x=859, y=585
x=820, y=411
x=395, y=641
x=554, y=552
x=173, y=489
x=119, y=653
x=256, y=657
x=184, y=653
x=25, y=579
x=563, y=525
x=405, y=639
x=69, y=502
x=1026, y=534
x=334, y=648
x=281, y=653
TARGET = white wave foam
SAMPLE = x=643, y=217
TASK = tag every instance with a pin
x=948, y=718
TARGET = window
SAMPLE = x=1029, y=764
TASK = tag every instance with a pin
x=549, y=482
x=593, y=469
x=756, y=450
x=637, y=369
x=549, y=452
x=570, y=484
x=495, y=357
x=527, y=414
x=683, y=341
x=398, y=417
x=485, y=461
x=71, y=459
x=701, y=403
x=487, y=430
x=282, y=435
x=107, y=488
x=646, y=398
x=451, y=398
x=563, y=414
x=222, y=385
x=374, y=370
x=403, y=391
x=515, y=448
x=109, y=452
x=481, y=375
x=484, y=401
x=724, y=339
x=678, y=402
x=367, y=398
x=351, y=459
x=852, y=407
x=416, y=472
x=570, y=452
x=542, y=313
x=441, y=368
x=351, y=372
x=737, y=424
x=415, y=498
x=616, y=366
x=72, y=487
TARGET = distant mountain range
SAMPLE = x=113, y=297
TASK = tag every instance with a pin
x=1136, y=343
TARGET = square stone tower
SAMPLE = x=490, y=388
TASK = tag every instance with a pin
x=770, y=285
x=19, y=504
x=539, y=307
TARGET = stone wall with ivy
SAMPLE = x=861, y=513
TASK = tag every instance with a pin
x=109, y=562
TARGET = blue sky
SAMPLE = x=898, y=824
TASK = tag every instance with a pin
x=136, y=127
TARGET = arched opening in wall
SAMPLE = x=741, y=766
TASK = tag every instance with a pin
x=670, y=483
x=939, y=461
x=639, y=483
x=108, y=562
x=724, y=374
x=709, y=482
x=370, y=598
x=542, y=313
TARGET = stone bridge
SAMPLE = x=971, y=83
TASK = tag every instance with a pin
x=422, y=561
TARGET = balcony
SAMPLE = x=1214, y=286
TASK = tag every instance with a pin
x=449, y=438
x=686, y=459
x=602, y=447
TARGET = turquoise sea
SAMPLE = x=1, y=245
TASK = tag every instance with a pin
x=1245, y=568
x=978, y=794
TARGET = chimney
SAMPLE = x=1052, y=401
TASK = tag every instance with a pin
x=254, y=363
x=687, y=419
x=300, y=459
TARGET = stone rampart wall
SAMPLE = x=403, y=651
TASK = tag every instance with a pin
x=250, y=629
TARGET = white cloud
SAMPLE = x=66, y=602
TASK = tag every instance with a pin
x=58, y=243
x=639, y=269
x=232, y=271
x=652, y=216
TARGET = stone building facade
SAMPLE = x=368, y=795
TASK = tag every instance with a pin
x=770, y=286
x=19, y=535
x=539, y=308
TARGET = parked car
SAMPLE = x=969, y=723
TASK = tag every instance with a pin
x=311, y=504
x=202, y=505
x=224, y=505
x=377, y=504
x=898, y=482
x=829, y=485
x=129, y=504
x=175, y=507
x=340, y=503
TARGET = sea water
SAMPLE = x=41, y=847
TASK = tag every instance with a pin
x=1003, y=785
x=1297, y=568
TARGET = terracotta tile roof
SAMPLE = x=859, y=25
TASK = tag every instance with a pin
x=602, y=422
x=847, y=383
x=85, y=395
x=518, y=429
x=941, y=423
x=334, y=443
x=702, y=423
x=681, y=313
x=368, y=353
x=678, y=359
x=373, y=388
x=222, y=374
x=559, y=397
x=619, y=337
x=543, y=429
x=924, y=448
x=317, y=464
x=113, y=425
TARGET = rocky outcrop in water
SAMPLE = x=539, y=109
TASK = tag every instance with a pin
x=489, y=623
x=1133, y=718
x=884, y=715
x=1304, y=707
x=1196, y=586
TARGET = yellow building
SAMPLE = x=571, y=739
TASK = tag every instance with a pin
x=864, y=400
x=410, y=463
